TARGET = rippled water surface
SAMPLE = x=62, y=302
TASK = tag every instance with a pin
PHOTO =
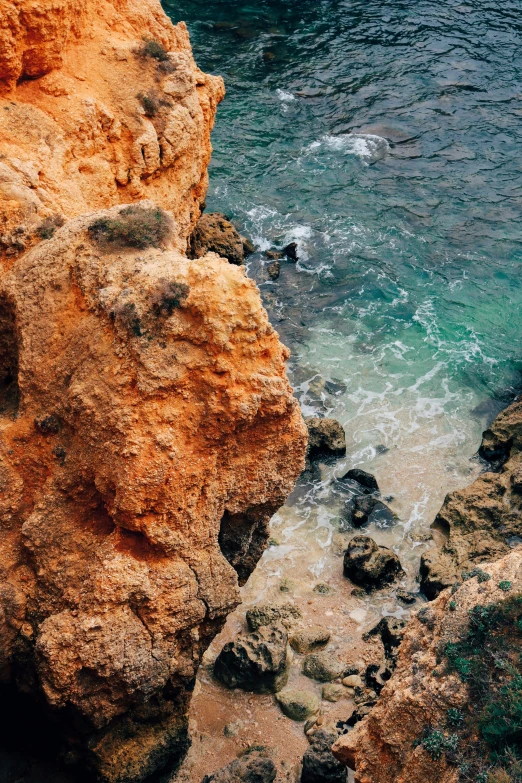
x=386, y=139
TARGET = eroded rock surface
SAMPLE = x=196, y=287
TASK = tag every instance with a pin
x=145, y=401
x=412, y=733
x=483, y=521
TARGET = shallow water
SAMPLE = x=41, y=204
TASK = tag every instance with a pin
x=386, y=141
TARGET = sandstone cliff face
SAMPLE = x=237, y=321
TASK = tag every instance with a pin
x=482, y=521
x=88, y=119
x=147, y=428
x=387, y=746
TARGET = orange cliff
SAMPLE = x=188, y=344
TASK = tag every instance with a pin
x=147, y=428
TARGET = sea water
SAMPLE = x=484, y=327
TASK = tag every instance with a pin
x=386, y=140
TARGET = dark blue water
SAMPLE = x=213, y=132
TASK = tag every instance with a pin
x=386, y=139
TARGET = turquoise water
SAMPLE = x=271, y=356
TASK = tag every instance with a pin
x=386, y=140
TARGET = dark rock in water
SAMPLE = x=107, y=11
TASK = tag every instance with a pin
x=363, y=478
x=367, y=509
x=335, y=387
x=253, y=767
x=272, y=614
x=255, y=662
x=213, y=232
x=369, y=565
x=274, y=270
x=274, y=255
x=325, y=436
x=405, y=596
x=382, y=449
x=248, y=247
x=290, y=251
x=390, y=630
x=319, y=764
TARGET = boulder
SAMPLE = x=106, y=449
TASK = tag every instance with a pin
x=290, y=252
x=367, y=510
x=362, y=477
x=215, y=233
x=253, y=767
x=306, y=640
x=370, y=566
x=319, y=763
x=323, y=666
x=255, y=662
x=333, y=692
x=274, y=270
x=325, y=437
x=297, y=704
x=274, y=255
x=271, y=614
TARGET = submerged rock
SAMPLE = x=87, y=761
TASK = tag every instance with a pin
x=254, y=767
x=274, y=270
x=215, y=233
x=367, y=510
x=362, y=477
x=306, y=640
x=256, y=662
x=319, y=763
x=323, y=666
x=370, y=566
x=274, y=255
x=290, y=251
x=270, y=614
x=298, y=704
x=325, y=437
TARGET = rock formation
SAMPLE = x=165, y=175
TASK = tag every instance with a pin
x=450, y=693
x=147, y=428
x=481, y=522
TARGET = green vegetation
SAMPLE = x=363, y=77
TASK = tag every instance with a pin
x=485, y=740
x=153, y=49
x=49, y=225
x=481, y=575
x=134, y=226
x=505, y=586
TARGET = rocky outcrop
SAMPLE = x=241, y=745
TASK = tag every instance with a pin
x=214, y=233
x=147, y=428
x=369, y=565
x=325, y=437
x=101, y=103
x=481, y=522
x=430, y=720
x=256, y=662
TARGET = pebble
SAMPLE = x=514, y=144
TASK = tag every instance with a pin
x=353, y=681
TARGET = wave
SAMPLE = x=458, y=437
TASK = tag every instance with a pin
x=366, y=146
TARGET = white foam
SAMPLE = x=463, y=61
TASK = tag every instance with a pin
x=285, y=96
x=366, y=146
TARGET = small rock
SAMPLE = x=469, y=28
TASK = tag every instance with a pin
x=322, y=588
x=274, y=255
x=323, y=666
x=363, y=478
x=325, y=437
x=255, y=662
x=290, y=251
x=215, y=233
x=268, y=614
x=353, y=681
x=367, y=509
x=253, y=767
x=274, y=270
x=298, y=705
x=319, y=764
x=369, y=565
x=333, y=692
x=405, y=596
x=248, y=247
x=309, y=639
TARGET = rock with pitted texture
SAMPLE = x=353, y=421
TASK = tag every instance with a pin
x=145, y=416
x=272, y=614
x=93, y=115
x=319, y=763
x=254, y=767
x=215, y=233
x=483, y=521
x=370, y=566
x=385, y=746
x=256, y=662
x=325, y=437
